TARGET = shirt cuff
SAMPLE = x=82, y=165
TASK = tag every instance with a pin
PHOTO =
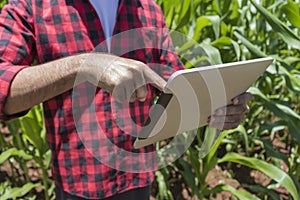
x=7, y=74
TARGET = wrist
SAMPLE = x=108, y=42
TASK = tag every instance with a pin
x=83, y=68
x=91, y=67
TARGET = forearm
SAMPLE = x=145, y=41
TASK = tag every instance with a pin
x=37, y=84
x=126, y=79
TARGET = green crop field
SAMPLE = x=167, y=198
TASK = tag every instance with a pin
x=258, y=160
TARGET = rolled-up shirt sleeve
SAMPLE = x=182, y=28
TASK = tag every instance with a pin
x=168, y=58
x=17, y=47
x=168, y=55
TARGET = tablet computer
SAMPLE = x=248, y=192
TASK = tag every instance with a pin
x=192, y=95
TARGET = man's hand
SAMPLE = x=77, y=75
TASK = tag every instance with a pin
x=125, y=79
x=230, y=116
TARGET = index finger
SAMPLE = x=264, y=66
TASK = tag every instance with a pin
x=154, y=79
x=242, y=98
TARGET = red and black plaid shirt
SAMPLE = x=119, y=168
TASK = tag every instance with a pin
x=91, y=136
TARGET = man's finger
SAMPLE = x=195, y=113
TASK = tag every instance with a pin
x=119, y=94
x=242, y=98
x=154, y=79
x=124, y=92
x=232, y=110
x=141, y=93
x=227, y=119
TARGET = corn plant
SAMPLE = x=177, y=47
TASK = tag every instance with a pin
x=27, y=154
x=226, y=31
x=234, y=30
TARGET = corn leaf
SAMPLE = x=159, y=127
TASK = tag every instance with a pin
x=185, y=14
x=164, y=193
x=34, y=130
x=287, y=34
x=291, y=10
x=14, y=152
x=282, y=178
x=213, y=53
x=240, y=194
x=260, y=189
x=16, y=192
x=251, y=47
x=201, y=23
x=226, y=41
x=282, y=111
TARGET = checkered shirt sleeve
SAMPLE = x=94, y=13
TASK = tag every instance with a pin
x=16, y=46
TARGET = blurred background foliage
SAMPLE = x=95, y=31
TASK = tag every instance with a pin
x=258, y=160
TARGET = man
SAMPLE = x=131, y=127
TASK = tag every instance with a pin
x=59, y=35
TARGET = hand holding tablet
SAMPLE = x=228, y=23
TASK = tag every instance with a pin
x=191, y=96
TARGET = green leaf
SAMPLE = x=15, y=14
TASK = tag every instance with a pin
x=213, y=53
x=241, y=129
x=205, y=21
x=196, y=4
x=216, y=24
x=164, y=192
x=211, y=136
x=188, y=174
x=288, y=111
x=199, y=62
x=195, y=163
x=170, y=14
x=186, y=47
x=291, y=10
x=269, y=147
x=240, y=194
x=2, y=3
x=292, y=81
x=19, y=191
x=33, y=129
x=260, y=189
x=215, y=6
x=13, y=152
x=278, y=26
x=185, y=14
x=201, y=23
x=221, y=42
x=282, y=178
x=282, y=111
x=225, y=6
x=251, y=47
x=226, y=41
x=51, y=189
x=218, y=142
x=235, y=10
